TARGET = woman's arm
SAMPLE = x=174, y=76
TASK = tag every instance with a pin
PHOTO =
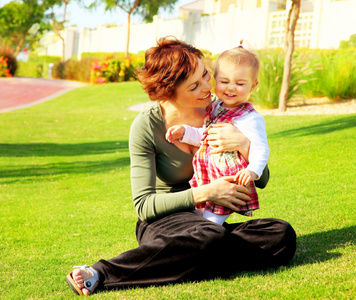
x=149, y=201
x=226, y=137
x=224, y=192
x=263, y=180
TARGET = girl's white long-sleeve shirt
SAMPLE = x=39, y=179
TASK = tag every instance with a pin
x=253, y=126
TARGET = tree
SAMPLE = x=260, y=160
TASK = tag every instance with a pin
x=57, y=25
x=146, y=8
x=351, y=43
x=291, y=23
x=17, y=18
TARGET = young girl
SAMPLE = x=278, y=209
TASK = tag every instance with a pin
x=236, y=75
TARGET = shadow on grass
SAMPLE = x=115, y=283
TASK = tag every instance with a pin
x=322, y=128
x=77, y=167
x=311, y=249
x=317, y=247
x=52, y=149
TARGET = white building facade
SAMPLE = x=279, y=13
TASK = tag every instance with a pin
x=219, y=25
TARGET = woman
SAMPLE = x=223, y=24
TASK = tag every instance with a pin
x=174, y=242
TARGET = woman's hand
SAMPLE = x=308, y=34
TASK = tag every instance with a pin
x=226, y=137
x=224, y=192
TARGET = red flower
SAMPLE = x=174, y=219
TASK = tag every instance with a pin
x=100, y=80
x=96, y=66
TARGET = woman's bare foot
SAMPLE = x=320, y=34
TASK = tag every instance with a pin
x=83, y=280
x=79, y=275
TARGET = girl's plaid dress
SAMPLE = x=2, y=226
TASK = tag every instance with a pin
x=211, y=166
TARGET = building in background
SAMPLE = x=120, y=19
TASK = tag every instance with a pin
x=216, y=25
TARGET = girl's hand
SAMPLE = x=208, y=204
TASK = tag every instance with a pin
x=225, y=137
x=245, y=176
x=175, y=132
x=224, y=192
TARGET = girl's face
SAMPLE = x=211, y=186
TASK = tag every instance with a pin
x=233, y=83
x=195, y=91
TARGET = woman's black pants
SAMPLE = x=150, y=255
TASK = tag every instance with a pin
x=184, y=247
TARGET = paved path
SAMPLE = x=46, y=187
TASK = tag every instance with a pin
x=22, y=92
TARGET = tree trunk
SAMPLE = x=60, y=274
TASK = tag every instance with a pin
x=289, y=48
x=57, y=29
x=63, y=48
x=128, y=35
x=137, y=2
x=57, y=32
x=18, y=41
x=283, y=95
x=18, y=48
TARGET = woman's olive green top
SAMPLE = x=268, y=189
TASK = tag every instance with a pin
x=160, y=171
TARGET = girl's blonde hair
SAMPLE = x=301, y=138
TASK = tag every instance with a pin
x=240, y=56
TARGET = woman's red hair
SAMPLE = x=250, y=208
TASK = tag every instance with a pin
x=167, y=65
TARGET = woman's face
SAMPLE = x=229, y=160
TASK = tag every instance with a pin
x=195, y=91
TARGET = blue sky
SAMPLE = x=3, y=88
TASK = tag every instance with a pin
x=82, y=17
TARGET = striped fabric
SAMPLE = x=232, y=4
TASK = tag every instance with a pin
x=211, y=166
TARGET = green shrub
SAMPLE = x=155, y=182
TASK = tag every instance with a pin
x=78, y=69
x=8, y=55
x=312, y=84
x=44, y=59
x=351, y=43
x=27, y=69
x=137, y=62
x=267, y=91
x=4, y=70
x=59, y=70
x=304, y=69
x=271, y=74
x=71, y=67
x=36, y=66
x=334, y=76
x=340, y=77
x=105, y=55
x=73, y=70
x=101, y=55
x=83, y=69
x=111, y=70
x=97, y=71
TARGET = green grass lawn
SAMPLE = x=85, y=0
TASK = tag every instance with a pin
x=65, y=200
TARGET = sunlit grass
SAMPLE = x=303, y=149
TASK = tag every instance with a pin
x=65, y=200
